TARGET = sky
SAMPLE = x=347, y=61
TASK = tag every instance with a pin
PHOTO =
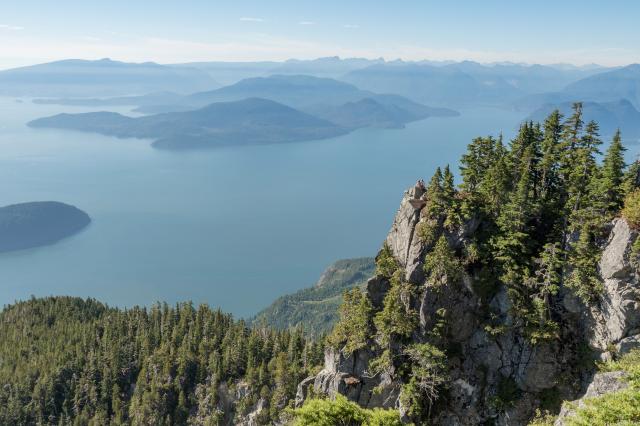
x=171, y=31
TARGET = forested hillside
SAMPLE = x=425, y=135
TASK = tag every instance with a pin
x=72, y=361
x=316, y=308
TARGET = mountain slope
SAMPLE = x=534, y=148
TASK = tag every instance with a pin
x=621, y=83
x=231, y=72
x=250, y=121
x=81, y=78
x=606, y=86
x=67, y=360
x=293, y=90
x=611, y=116
x=315, y=308
x=298, y=91
x=462, y=83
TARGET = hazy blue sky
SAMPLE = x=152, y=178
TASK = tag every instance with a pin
x=572, y=31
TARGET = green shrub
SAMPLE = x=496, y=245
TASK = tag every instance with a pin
x=629, y=363
x=631, y=210
x=386, y=263
x=441, y=264
x=352, y=330
x=427, y=231
x=542, y=418
x=617, y=408
x=428, y=377
x=397, y=317
x=342, y=412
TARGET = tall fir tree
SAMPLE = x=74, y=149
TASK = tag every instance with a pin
x=610, y=188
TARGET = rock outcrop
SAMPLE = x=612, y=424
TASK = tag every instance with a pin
x=496, y=374
x=618, y=315
x=602, y=383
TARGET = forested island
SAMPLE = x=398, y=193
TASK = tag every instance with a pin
x=254, y=111
x=34, y=224
x=494, y=301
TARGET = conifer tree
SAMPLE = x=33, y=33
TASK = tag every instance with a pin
x=450, y=198
x=612, y=175
x=631, y=178
x=441, y=264
x=435, y=193
x=550, y=160
x=511, y=243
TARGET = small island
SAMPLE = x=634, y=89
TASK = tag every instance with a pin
x=40, y=223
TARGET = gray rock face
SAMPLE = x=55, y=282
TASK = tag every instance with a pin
x=402, y=238
x=619, y=310
x=484, y=361
x=348, y=376
x=377, y=287
x=628, y=344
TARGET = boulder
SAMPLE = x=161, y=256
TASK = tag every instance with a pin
x=628, y=344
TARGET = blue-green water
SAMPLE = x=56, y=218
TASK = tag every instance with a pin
x=234, y=227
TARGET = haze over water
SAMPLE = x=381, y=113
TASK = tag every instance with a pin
x=234, y=227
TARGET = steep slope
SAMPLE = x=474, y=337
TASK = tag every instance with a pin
x=495, y=298
x=496, y=374
x=315, y=308
x=66, y=360
x=81, y=78
x=250, y=121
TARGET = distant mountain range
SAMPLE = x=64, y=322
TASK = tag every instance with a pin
x=447, y=83
x=608, y=86
x=298, y=91
x=464, y=83
x=81, y=78
x=339, y=102
x=231, y=72
x=248, y=121
x=610, y=116
x=346, y=93
x=258, y=110
x=311, y=94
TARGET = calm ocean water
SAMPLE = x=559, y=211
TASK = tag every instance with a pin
x=234, y=227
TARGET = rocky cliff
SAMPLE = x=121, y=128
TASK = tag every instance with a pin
x=496, y=375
